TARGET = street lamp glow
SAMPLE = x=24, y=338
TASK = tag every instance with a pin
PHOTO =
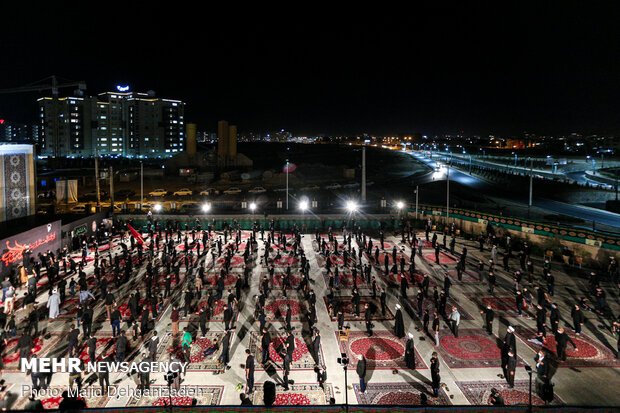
x=157, y=207
x=252, y=206
x=400, y=204
x=206, y=207
x=351, y=206
x=303, y=205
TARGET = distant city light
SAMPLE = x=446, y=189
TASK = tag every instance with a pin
x=122, y=88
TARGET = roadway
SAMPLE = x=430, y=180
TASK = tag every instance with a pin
x=579, y=211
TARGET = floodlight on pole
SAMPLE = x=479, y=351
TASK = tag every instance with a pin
x=303, y=205
x=252, y=206
x=351, y=206
x=206, y=207
x=400, y=205
x=157, y=207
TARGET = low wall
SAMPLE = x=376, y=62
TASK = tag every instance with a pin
x=281, y=222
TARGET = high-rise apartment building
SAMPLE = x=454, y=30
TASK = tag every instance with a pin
x=18, y=132
x=115, y=123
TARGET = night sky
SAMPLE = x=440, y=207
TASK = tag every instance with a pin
x=314, y=69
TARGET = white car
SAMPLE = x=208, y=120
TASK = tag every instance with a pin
x=333, y=186
x=257, y=190
x=233, y=190
x=183, y=192
x=158, y=192
x=209, y=191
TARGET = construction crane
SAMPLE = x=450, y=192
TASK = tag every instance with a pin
x=52, y=83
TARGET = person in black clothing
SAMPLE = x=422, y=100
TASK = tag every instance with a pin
x=578, y=319
x=496, y=399
x=399, y=326
x=510, y=368
x=72, y=340
x=265, y=342
x=447, y=283
x=316, y=344
x=92, y=348
x=489, y=314
x=202, y=320
x=561, y=342
x=87, y=320
x=121, y=347
x=435, y=377
x=249, y=371
x=368, y=319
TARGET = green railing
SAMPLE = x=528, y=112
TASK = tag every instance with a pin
x=578, y=235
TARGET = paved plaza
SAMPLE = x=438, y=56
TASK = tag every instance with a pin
x=470, y=364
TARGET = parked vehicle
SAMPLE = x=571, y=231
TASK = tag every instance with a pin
x=257, y=190
x=333, y=186
x=233, y=190
x=183, y=192
x=158, y=192
x=209, y=192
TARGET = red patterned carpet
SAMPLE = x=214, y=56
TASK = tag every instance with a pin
x=235, y=261
x=444, y=259
x=589, y=353
x=468, y=276
x=473, y=348
x=418, y=277
x=345, y=305
x=42, y=348
x=478, y=393
x=430, y=306
x=203, y=394
x=50, y=402
x=278, y=278
x=504, y=305
x=299, y=394
x=275, y=308
x=345, y=279
x=198, y=362
x=105, y=347
x=402, y=394
x=229, y=280
x=382, y=351
x=302, y=357
x=216, y=315
x=285, y=261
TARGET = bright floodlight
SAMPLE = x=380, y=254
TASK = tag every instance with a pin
x=206, y=207
x=252, y=206
x=400, y=205
x=157, y=207
x=303, y=205
x=351, y=206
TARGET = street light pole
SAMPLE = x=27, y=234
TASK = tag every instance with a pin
x=531, y=185
x=112, y=189
x=287, y=184
x=141, y=185
x=97, y=179
x=416, y=202
x=448, y=197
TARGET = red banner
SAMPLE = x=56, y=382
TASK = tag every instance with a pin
x=135, y=234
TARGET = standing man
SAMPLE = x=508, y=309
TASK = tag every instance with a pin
x=511, y=367
x=265, y=341
x=367, y=318
x=435, y=377
x=455, y=320
x=249, y=371
x=577, y=316
x=410, y=352
x=561, y=342
x=489, y=315
x=361, y=372
x=399, y=325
